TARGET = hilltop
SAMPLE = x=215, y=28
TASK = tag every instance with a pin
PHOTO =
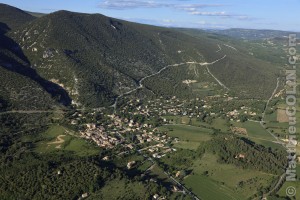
x=95, y=59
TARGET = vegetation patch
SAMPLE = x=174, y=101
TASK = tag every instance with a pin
x=55, y=139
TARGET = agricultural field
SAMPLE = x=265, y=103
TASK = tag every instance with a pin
x=186, y=145
x=186, y=120
x=58, y=138
x=282, y=191
x=221, y=124
x=257, y=133
x=207, y=189
x=189, y=136
x=212, y=180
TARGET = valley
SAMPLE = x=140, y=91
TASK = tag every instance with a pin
x=93, y=107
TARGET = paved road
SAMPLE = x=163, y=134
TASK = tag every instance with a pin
x=282, y=177
x=264, y=115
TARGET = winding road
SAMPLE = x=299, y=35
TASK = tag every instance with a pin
x=140, y=84
x=264, y=115
x=281, y=179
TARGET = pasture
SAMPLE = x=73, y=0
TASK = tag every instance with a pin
x=212, y=180
x=188, y=133
x=57, y=139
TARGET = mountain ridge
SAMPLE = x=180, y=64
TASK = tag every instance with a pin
x=95, y=58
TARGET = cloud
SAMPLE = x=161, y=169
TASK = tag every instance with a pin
x=183, y=5
x=133, y=4
x=178, y=23
x=224, y=15
x=128, y=4
x=194, y=7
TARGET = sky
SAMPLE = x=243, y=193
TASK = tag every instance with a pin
x=203, y=14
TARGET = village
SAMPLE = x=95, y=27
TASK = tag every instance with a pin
x=135, y=125
x=117, y=131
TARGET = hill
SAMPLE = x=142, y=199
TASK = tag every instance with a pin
x=95, y=59
x=14, y=17
x=252, y=34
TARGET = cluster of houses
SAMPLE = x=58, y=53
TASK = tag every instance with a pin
x=159, y=150
x=176, y=107
x=115, y=130
x=243, y=110
x=100, y=136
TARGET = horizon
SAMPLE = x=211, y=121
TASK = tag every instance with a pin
x=218, y=15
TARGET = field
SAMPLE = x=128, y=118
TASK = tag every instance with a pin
x=158, y=174
x=188, y=133
x=220, y=124
x=207, y=189
x=186, y=145
x=189, y=136
x=57, y=139
x=119, y=189
x=281, y=116
x=282, y=191
x=217, y=123
x=144, y=166
x=257, y=133
x=212, y=180
x=185, y=120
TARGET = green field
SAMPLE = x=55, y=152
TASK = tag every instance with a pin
x=186, y=145
x=282, y=191
x=271, y=117
x=50, y=142
x=188, y=133
x=221, y=124
x=221, y=180
x=207, y=189
x=257, y=133
x=120, y=189
x=185, y=120
x=144, y=166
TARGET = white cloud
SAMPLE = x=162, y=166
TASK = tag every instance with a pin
x=223, y=13
x=193, y=9
x=132, y=4
x=128, y=4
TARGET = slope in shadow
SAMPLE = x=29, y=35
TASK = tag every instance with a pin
x=12, y=58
